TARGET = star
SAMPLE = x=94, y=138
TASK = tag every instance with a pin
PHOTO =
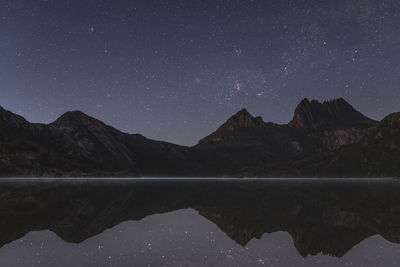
x=237, y=86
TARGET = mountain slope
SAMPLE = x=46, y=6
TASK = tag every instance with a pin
x=241, y=121
x=377, y=154
x=27, y=148
x=110, y=147
x=337, y=113
x=244, y=140
x=77, y=144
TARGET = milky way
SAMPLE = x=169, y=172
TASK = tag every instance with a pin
x=174, y=70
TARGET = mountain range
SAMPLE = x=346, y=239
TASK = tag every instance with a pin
x=322, y=139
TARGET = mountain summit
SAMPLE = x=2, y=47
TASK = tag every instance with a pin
x=73, y=119
x=94, y=139
x=241, y=120
x=335, y=113
x=244, y=140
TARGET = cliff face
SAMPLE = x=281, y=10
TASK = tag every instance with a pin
x=375, y=154
x=332, y=114
x=333, y=123
x=244, y=140
x=335, y=138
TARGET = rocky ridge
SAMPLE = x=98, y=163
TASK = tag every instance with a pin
x=323, y=139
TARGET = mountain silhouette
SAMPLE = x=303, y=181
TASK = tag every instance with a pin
x=327, y=217
x=323, y=139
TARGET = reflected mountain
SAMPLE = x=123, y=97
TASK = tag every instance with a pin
x=329, y=216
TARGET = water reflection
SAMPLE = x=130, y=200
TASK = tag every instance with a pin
x=158, y=222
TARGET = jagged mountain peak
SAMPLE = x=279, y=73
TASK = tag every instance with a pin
x=336, y=113
x=241, y=120
x=243, y=112
x=315, y=105
x=339, y=100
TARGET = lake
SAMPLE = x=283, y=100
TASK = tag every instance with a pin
x=199, y=222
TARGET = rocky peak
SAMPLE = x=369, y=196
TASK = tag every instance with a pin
x=95, y=140
x=79, y=126
x=241, y=120
x=336, y=113
x=74, y=119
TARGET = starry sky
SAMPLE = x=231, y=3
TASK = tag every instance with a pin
x=174, y=70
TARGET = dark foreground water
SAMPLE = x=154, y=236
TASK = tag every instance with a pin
x=193, y=222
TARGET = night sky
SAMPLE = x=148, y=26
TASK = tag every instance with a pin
x=175, y=70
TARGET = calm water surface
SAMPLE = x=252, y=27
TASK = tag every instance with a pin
x=191, y=222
